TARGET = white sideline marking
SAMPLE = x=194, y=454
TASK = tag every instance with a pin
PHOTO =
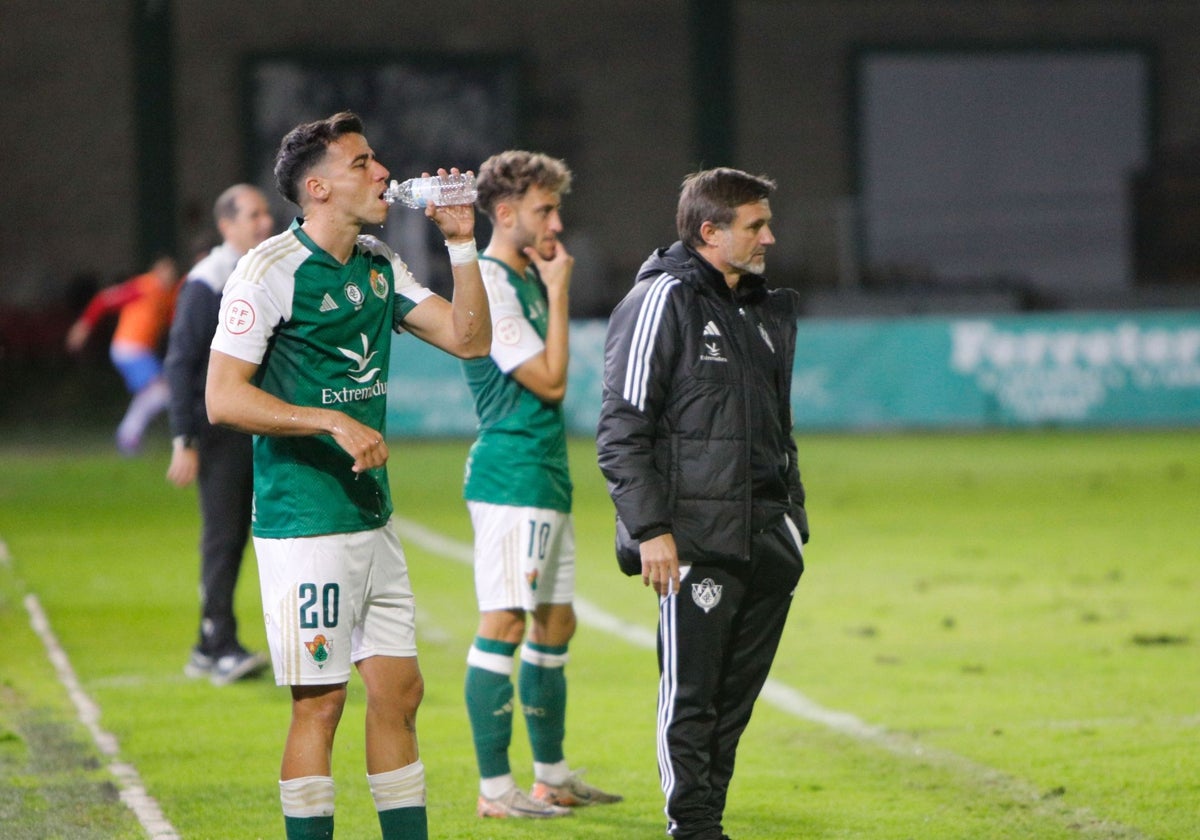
x=777, y=694
x=793, y=702
x=133, y=792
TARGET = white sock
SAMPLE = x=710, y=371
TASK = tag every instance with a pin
x=496, y=786
x=307, y=796
x=551, y=774
x=403, y=787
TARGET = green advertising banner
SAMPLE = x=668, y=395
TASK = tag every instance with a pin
x=1131, y=369
x=428, y=395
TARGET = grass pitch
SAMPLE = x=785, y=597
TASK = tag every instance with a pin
x=996, y=637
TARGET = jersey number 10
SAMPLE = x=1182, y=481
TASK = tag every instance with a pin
x=539, y=538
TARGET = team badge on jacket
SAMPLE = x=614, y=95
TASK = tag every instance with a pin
x=706, y=594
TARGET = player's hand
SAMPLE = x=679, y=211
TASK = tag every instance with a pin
x=184, y=466
x=455, y=221
x=556, y=271
x=660, y=564
x=362, y=443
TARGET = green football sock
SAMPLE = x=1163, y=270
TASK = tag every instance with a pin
x=404, y=824
x=400, y=800
x=542, y=685
x=307, y=804
x=308, y=828
x=489, y=692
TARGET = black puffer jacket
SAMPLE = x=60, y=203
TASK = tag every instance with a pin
x=695, y=435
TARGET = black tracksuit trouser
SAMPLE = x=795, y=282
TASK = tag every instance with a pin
x=226, y=486
x=717, y=639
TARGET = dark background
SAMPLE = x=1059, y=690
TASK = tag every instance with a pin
x=124, y=120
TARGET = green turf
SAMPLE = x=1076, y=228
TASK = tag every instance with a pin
x=1010, y=619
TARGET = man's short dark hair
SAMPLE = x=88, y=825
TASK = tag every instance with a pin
x=510, y=174
x=304, y=147
x=714, y=195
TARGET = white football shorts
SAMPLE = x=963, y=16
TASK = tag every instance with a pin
x=333, y=600
x=524, y=556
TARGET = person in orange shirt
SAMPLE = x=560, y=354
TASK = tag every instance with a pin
x=146, y=305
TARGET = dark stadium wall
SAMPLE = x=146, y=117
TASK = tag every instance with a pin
x=610, y=87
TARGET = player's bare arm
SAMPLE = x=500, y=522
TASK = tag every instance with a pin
x=546, y=373
x=451, y=326
x=234, y=401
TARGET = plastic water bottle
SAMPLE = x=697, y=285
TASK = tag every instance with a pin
x=442, y=190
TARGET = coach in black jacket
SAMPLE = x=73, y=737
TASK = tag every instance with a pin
x=695, y=440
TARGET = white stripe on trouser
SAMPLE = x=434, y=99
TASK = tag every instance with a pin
x=637, y=370
x=667, y=687
x=795, y=532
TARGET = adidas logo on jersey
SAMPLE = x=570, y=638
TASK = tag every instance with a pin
x=328, y=304
x=711, y=329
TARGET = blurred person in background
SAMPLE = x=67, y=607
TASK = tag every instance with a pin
x=219, y=460
x=518, y=492
x=695, y=440
x=145, y=305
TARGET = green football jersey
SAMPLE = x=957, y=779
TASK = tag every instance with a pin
x=520, y=453
x=321, y=334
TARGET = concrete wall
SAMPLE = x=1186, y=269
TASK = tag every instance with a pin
x=66, y=158
x=795, y=88
x=608, y=89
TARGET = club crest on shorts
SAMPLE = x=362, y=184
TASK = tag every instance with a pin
x=318, y=649
x=706, y=594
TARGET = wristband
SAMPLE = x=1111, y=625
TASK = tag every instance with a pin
x=462, y=253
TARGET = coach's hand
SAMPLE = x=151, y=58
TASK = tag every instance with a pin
x=660, y=564
x=184, y=466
